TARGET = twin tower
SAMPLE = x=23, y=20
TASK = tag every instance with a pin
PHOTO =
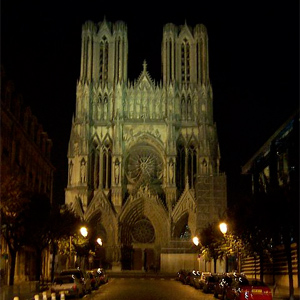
x=143, y=157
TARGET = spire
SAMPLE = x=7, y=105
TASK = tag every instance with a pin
x=144, y=66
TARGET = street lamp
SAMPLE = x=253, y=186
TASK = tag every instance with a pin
x=99, y=241
x=196, y=241
x=223, y=228
x=84, y=231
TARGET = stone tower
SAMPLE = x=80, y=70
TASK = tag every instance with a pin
x=143, y=156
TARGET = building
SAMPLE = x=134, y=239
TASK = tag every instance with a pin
x=143, y=157
x=276, y=163
x=275, y=166
x=25, y=154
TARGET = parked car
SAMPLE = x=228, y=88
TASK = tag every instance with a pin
x=195, y=278
x=225, y=282
x=210, y=283
x=69, y=285
x=181, y=275
x=203, y=278
x=81, y=275
x=188, y=278
x=95, y=280
x=102, y=275
x=241, y=288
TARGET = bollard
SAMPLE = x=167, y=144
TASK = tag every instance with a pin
x=36, y=297
x=53, y=296
x=62, y=296
x=44, y=295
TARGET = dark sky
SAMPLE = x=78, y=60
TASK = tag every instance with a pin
x=253, y=50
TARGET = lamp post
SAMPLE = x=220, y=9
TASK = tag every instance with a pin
x=99, y=244
x=197, y=243
x=223, y=228
x=70, y=257
x=84, y=232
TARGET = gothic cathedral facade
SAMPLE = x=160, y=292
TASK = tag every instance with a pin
x=143, y=157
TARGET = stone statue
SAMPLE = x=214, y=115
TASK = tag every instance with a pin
x=83, y=171
x=117, y=172
x=171, y=171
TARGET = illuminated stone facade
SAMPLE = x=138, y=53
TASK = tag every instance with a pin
x=143, y=157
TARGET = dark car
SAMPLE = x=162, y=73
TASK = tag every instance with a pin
x=195, y=279
x=225, y=283
x=95, y=281
x=221, y=285
x=188, y=278
x=241, y=288
x=210, y=283
x=202, y=279
x=181, y=275
x=102, y=275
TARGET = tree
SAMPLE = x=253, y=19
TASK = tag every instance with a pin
x=268, y=219
x=211, y=239
x=63, y=225
x=14, y=197
x=46, y=225
x=37, y=226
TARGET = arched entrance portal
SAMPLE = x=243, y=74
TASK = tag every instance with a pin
x=139, y=236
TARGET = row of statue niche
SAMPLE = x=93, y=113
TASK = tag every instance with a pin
x=116, y=170
x=82, y=171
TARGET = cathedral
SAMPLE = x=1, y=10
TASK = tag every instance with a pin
x=143, y=156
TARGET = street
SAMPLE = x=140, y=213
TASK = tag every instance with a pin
x=146, y=289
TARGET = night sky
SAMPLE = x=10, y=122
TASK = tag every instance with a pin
x=253, y=57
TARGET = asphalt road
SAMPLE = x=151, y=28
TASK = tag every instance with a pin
x=146, y=289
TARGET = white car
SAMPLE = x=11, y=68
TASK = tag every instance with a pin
x=69, y=285
x=82, y=276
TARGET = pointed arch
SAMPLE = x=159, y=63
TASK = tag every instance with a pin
x=185, y=61
x=189, y=108
x=181, y=229
x=180, y=164
x=183, y=107
x=192, y=164
x=184, y=214
x=94, y=165
x=103, y=60
x=106, y=160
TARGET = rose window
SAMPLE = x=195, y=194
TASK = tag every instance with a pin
x=143, y=231
x=144, y=165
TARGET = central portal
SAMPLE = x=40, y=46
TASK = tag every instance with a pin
x=143, y=259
